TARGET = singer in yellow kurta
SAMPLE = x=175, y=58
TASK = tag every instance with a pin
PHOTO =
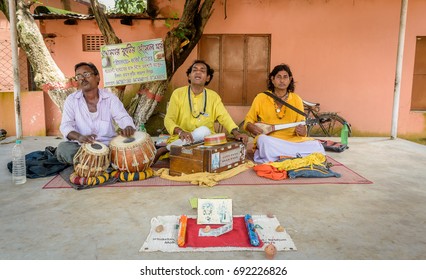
x=189, y=111
x=264, y=109
x=193, y=110
x=287, y=142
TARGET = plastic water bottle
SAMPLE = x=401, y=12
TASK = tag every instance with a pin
x=344, y=134
x=19, y=170
x=142, y=127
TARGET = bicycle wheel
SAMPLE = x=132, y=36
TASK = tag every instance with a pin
x=329, y=125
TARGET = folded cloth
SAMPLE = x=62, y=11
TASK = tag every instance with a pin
x=311, y=166
x=205, y=179
x=314, y=171
x=309, y=160
x=41, y=163
x=270, y=172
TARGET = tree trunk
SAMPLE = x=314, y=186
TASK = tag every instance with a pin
x=177, y=49
x=178, y=44
x=47, y=74
x=104, y=25
x=4, y=7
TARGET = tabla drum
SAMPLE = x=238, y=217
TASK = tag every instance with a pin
x=132, y=154
x=91, y=160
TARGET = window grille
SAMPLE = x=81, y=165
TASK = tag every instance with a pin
x=92, y=43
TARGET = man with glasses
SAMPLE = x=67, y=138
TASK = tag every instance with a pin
x=89, y=114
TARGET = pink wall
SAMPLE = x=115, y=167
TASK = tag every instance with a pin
x=342, y=52
x=32, y=113
x=67, y=50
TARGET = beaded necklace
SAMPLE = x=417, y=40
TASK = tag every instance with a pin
x=279, y=109
x=279, y=112
x=190, y=103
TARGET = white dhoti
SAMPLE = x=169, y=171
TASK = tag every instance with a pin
x=271, y=148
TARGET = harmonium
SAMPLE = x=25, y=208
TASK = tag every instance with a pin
x=203, y=158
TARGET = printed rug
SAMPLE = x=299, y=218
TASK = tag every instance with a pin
x=235, y=240
x=245, y=178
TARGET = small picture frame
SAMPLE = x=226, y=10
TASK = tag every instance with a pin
x=214, y=211
x=215, y=161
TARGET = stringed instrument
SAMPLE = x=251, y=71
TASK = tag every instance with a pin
x=268, y=128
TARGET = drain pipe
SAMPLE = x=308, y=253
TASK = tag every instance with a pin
x=15, y=61
x=400, y=55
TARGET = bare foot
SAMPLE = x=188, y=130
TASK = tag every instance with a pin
x=161, y=151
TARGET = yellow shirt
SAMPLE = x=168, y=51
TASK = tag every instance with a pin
x=179, y=113
x=263, y=109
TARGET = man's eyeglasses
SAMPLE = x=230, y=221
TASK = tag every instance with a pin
x=80, y=77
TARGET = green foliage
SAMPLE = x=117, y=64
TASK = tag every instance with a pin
x=129, y=7
x=170, y=22
x=180, y=31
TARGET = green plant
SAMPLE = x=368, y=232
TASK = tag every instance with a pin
x=178, y=31
x=129, y=7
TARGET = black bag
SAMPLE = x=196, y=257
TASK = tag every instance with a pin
x=3, y=134
x=41, y=163
x=332, y=146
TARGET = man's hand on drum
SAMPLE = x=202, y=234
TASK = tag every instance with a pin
x=128, y=131
x=86, y=138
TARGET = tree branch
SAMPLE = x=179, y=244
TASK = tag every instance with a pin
x=104, y=25
x=4, y=7
x=194, y=20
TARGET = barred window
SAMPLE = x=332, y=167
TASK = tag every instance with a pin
x=92, y=43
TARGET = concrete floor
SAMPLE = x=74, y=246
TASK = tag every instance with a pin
x=384, y=220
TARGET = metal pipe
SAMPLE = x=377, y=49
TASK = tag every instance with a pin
x=399, y=58
x=15, y=61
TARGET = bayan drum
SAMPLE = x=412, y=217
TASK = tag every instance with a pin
x=91, y=160
x=132, y=154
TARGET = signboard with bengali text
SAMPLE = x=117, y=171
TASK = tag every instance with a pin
x=133, y=63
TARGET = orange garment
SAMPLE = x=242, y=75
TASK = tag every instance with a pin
x=263, y=110
x=270, y=172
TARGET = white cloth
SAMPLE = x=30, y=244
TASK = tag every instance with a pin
x=198, y=135
x=271, y=148
x=166, y=241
